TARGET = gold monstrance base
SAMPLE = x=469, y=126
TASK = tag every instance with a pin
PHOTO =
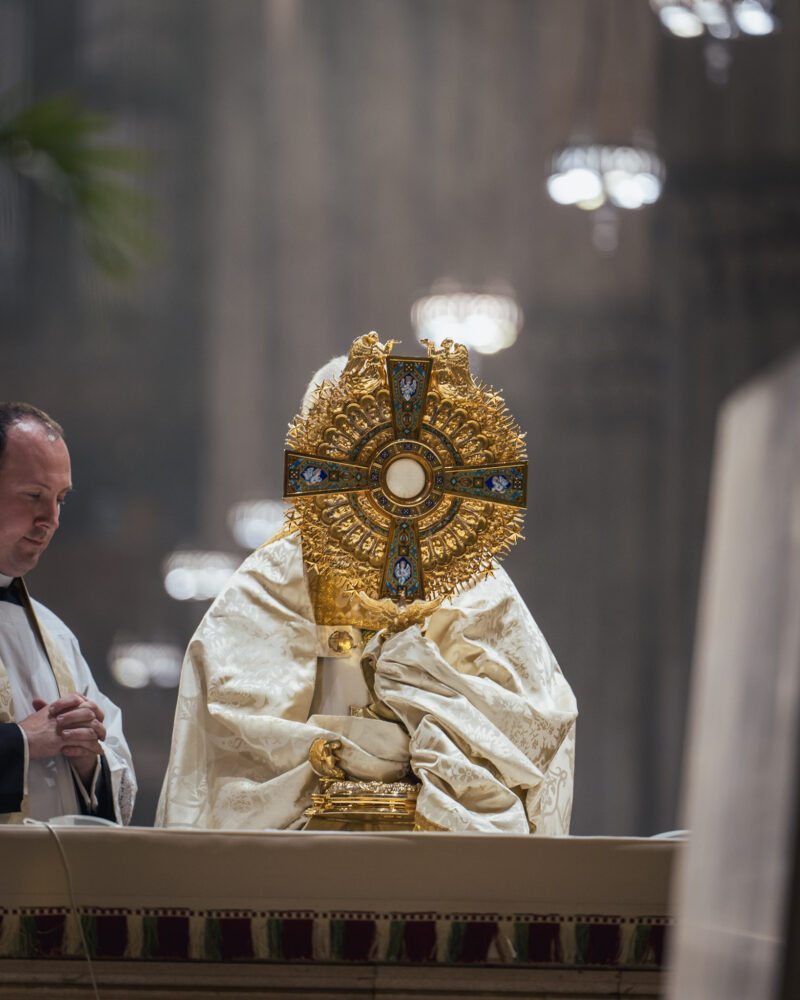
x=363, y=805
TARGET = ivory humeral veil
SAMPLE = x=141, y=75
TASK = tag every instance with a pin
x=312, y=680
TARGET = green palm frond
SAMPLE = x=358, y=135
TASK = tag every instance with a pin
x=58, y=146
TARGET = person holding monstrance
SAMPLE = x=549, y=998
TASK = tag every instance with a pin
x=372, y=666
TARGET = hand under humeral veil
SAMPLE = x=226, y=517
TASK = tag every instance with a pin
x=487, y=717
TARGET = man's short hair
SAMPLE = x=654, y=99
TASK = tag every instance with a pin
x=15, y=413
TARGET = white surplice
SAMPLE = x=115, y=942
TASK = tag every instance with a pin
x=488, y=720
x=49, y=785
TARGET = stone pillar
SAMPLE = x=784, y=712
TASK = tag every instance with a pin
x=741, y=790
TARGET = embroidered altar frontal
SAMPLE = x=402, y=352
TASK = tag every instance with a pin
x=156, y=904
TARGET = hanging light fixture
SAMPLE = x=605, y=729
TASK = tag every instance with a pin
x=253, y=522
x=138, y=664
x=602, y=179
x=719, y=21
x=197, y=576
x=599, y=177
x=589, y=176
x=484, y=321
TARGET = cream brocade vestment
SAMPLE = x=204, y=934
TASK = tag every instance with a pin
x=488, y=720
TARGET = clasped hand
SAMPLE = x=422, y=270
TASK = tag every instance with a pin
x=72, y=726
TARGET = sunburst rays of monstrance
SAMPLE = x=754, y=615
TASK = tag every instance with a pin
x=408, y=477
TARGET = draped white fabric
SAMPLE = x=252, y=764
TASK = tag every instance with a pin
x=487, y=717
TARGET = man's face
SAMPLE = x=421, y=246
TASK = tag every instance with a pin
x=35, y=478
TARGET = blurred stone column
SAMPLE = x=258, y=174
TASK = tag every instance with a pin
x=237, y=360
x=736, y=894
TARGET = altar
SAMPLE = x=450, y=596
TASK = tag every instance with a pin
x=169, y=913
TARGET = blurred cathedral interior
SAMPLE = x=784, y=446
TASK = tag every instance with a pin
x=602, y=198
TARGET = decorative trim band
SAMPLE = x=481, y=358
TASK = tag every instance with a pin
x=310, y=936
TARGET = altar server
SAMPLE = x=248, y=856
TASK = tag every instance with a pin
x=62, y=750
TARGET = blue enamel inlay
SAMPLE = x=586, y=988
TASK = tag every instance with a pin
x=314, y=475
x=402, y=571
x=504, y=484
x=408, y=386
x=498, y=483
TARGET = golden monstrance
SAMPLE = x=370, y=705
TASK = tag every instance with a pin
x=408, y=480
